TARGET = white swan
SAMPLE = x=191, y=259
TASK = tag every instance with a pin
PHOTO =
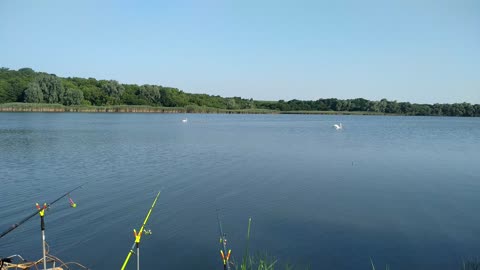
x=338, y=126
x=184, y=120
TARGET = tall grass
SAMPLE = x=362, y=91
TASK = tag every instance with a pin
x=260, y=261
x=466, y=265
x=471, y=265
x=45, y=107
x=387, y=267
x=263, y=261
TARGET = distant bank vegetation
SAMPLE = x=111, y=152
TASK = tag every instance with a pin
x=80, y=94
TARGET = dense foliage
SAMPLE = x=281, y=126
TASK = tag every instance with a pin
x=26, y=85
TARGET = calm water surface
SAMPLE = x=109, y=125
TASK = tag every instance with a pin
x=401, y=190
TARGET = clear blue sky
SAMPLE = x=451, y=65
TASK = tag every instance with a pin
x=422, y=51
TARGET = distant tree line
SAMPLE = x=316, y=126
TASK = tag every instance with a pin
x=26, y=85
x=382, y=106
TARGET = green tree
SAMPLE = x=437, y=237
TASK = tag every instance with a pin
x=405, y=107
x=72, y=97
x=94, y=95
x=476, y=108
x=26, y=72
x=372, y=106
x=113, y=90
x=33, y=93
x=392, y=107
x=172, y=97
x=457, y=109
x=51, y=87
x=382, y=105
x=346, y=105
x=3, y=91
x=358, y=104
x=231, y=104
x=437, y=109
x=130, y=96
x=468, y=109
x=27, y=85
x=150, y=93
x=15, y=88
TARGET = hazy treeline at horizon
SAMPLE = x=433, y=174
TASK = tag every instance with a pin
x=26, y=85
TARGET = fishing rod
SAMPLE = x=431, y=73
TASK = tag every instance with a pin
x=138, y=237
x=41, y=212
x=223, y=241
x=16, y=225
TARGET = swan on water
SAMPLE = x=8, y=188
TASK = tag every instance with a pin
x=184, y=120
x=338, y=126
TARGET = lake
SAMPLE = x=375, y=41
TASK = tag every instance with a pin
x=403, y=191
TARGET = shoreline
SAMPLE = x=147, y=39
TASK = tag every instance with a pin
x=58, y=108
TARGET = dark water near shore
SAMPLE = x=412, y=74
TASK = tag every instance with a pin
x=401, y=190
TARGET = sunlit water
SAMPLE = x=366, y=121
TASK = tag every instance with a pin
x=404, y=191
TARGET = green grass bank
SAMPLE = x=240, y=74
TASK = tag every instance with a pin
x=45, y=107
